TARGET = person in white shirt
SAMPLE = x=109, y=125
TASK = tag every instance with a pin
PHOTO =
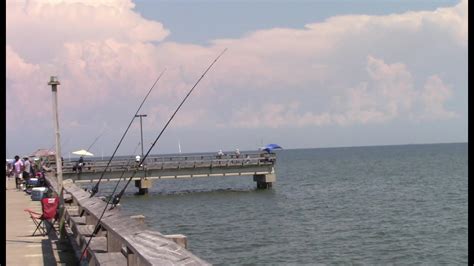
x=27, y=168
x=237, y=153
x=18, y=171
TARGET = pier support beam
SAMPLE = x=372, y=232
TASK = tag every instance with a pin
x=264, y=181
x=143, y=185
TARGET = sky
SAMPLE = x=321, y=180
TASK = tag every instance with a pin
x=302, y=74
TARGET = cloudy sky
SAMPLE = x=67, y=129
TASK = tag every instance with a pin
x=303, y=74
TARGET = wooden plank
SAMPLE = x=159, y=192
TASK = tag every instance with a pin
x=78, y=220
x=85, y=230
x=110, y=259
x=91, y=203
x=72, y=211
x=98, y=244
x=122, y=225
x=158, y=250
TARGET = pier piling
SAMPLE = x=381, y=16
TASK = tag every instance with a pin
x=264, y=181
x=143, y=185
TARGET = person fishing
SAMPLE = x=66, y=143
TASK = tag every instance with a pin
x=78, y=166
x=137, y=160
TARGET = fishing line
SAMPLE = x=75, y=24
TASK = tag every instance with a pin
x=95, y=140
x=52, y=146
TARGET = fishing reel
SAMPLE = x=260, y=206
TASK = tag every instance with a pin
x=115, y=201
x=94, y=190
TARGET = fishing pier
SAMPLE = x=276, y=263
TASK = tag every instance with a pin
x=116, y=239
x=260, y=165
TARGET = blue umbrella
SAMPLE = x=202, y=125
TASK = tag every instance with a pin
x=271, y=147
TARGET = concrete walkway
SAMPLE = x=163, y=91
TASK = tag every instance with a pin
x=21, y=247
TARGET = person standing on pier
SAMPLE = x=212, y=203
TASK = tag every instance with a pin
x=220, y=154
x=138, y=159
x=8, y=171
x=18, y=171
x=80, y=164
x=27, y=169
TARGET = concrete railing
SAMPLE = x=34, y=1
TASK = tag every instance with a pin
x=120, y=239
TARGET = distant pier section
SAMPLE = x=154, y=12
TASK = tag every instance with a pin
x=258, y=164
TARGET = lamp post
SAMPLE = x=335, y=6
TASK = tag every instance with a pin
x=54, y=82
x=141, y=130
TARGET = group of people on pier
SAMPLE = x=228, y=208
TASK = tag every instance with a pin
x=221, y=154
x=23, y=169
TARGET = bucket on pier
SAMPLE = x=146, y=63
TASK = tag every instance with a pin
x=37, y=193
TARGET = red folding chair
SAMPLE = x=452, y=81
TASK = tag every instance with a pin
x=49, y=216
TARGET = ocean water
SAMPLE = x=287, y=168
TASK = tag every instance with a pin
x=403, y=205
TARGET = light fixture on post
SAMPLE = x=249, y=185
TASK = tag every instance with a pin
x=141, y=129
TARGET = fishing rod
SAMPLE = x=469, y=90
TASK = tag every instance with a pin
x=95, y=140
x=52, y=146
x=123, y=173
x=95, y=189
x=116, y=199
x=97, y=226
x=90, y=146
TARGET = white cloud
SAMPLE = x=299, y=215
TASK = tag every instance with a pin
x=346, y=70
x=388, y=94
x=434, y=95
x=50, y=24
x=16, y=66
x=25, y=101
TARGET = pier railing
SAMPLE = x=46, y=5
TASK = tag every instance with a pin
x=120, y=239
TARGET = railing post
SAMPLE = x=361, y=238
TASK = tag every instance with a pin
x=113, y=242
x=132, y=259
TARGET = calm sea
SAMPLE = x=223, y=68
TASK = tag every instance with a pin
x=362, y=205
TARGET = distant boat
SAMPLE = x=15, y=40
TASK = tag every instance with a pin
x=179, y=147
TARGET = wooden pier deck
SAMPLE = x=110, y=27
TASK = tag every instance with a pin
x=21, y=247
